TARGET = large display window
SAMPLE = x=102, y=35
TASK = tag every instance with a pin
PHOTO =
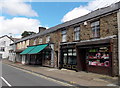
x=98, y=59
x=98, y=56
x=69, y=58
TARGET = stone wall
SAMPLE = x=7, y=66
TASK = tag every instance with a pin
x=108, y=25
x=43, y=39
x=70, y=34
x=85, y=31
x=31, y=42
x=114, y=49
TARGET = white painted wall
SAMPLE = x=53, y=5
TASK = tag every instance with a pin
x=23, y=59
x=7, y=41
x=52, y=55
x=12, y=54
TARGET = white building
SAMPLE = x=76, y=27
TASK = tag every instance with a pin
x=12, y=54
x=5, y=42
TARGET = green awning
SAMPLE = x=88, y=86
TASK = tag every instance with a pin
x=27, y=50
x=38, y=48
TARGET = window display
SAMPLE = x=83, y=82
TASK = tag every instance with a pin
x=98, y=56
x=69, y=58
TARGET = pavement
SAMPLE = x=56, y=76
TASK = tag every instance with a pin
x=69, y=76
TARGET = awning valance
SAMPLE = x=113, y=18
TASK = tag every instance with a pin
x=38, y=48
x=28, y=49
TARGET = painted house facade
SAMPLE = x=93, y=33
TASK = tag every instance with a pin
x=5, y=42
x=88, y=43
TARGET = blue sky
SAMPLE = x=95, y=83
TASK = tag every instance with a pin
x=50, y=13
x=19, y=16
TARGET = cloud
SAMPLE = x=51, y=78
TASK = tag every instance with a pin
x=17, y=7
x=76, y=12
x=82, y=10
x=17, y=25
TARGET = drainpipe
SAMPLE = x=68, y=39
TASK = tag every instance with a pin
x=118, y=19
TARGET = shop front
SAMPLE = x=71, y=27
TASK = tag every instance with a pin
x=95, y=56
x=68, y=59
x=38, y=55
x=18, y=57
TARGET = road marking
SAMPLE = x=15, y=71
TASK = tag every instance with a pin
x=6, y=82
x=60, y=82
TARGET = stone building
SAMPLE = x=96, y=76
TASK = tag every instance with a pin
x=88, y=43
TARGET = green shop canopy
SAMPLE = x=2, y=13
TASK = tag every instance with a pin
x=38, y=48
x=27, y=50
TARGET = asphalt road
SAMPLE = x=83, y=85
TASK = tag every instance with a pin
x=16, y=77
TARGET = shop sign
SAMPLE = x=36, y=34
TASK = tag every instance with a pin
x=92, y=50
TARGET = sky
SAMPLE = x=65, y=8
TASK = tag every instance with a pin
x=18, y=16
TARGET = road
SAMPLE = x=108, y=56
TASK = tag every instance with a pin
x=14, y=77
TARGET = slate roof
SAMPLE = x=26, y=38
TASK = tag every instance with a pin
x=93, y=14
x=13, y=39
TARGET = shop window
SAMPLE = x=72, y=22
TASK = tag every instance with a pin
x=77, y=33
x=69, y=57
x=95, y=29
x=65, y=58
x=47, y=55
x=64, y=36
x=74, y=52
x=47, y=39
x=98, y=56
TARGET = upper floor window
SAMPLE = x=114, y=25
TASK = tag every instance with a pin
x=47, y=39
x=2, y=49
x=40, y=41
x=34, y=43
x=95, y=29
x=64, y=36
x=4, y=43
x=77, y=33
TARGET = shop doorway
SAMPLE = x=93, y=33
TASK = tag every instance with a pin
x=57, y=57
x=38, y=59
x=82, y=58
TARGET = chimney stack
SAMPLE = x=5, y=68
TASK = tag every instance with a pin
x=41, y=29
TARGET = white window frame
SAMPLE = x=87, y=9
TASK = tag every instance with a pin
x=64, y=35
x=40, y=40
x=95, y=29
x=77, y=33
x=2, y=49
x=34, y=42
x=47, y=39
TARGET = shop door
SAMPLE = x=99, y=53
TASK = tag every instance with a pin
x=39, y=59
x=83, y=59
